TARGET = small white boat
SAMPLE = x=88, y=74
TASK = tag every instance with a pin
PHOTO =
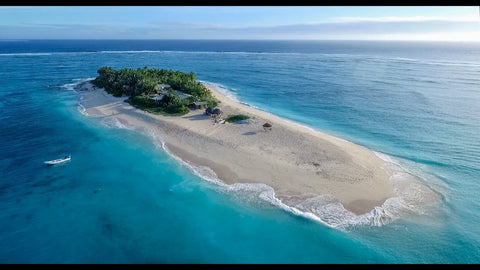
x=56, y=161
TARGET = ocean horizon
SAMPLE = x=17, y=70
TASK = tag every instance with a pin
x=123, y=198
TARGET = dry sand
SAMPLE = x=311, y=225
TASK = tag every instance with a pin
x=297, y=162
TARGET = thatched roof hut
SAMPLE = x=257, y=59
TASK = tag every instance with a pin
x=267, y=126
x=208, y=111
x=217, y=111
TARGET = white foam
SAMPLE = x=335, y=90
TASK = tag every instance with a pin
x=114, y=122
x=414, y=193
x=71, y=86
x=24, y=54
x=170, y=51
x=139, y=51
x=224, y=91
x=231, y=95
x=406, y=59
x=82, y=109
x=324, y=209
x=430, y=62
x=203, y=172
x=386, y=158
x=45, y=53
x=452, y=63
x=156, y=139
x=200, y=52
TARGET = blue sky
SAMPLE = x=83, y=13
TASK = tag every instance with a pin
x=241, y=22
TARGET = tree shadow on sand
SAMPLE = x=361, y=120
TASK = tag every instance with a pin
x=197, y=117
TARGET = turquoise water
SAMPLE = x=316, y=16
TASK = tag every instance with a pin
x=123, y=199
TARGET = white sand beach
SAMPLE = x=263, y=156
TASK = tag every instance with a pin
x=297, y=162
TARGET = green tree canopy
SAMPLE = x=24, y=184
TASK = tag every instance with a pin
x=143, y=83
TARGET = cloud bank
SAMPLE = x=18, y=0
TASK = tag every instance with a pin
x=416, y=28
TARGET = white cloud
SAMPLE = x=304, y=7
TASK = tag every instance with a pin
x=467, y=18
x=459, y=36
x=387, y=28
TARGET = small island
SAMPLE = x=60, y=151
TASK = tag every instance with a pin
x=298, y=167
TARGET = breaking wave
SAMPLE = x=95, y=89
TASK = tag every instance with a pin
x=412, y=197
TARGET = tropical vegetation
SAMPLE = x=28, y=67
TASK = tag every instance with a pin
x=236, y=117
x=143, y=84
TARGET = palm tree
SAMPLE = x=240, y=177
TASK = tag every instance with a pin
x=267, y=126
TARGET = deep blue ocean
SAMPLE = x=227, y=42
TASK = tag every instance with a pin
x=123, y=199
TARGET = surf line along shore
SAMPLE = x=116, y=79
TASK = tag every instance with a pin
x=297, y=162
